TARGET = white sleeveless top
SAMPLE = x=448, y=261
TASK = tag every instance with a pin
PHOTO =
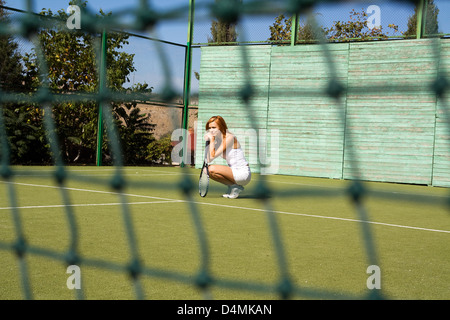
x=236, y=158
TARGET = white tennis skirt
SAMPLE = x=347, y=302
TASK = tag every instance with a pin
x=242, y=175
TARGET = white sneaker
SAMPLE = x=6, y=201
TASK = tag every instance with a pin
x=227, y=195
x=235, y=190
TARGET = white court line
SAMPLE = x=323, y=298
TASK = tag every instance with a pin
x=89, y=190
x=126, y=174
x=369, y=190
x=328, y=217
x=166, y=200
x=86, y=205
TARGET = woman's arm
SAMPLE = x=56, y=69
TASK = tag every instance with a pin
x=227, y=143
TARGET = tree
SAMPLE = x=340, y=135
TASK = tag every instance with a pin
x=24, y=135
x=11, y=73
x=355, y=29
x=280, y=31
x=134, y=128
x=71, y=61
x=222, y=32
x=431, y=21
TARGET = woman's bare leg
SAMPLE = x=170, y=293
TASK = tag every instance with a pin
x=222, y=174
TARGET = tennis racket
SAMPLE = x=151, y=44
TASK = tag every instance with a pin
x=203, y=181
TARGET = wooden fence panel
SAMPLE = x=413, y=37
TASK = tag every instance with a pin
x=310, y=123
x=389, y=124
x=391, y=128
x=222, y=77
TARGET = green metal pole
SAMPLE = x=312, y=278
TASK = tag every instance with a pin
x=419, y=24
x=187, y=78
x=424, y=18
x=100, y=107
x=294, y=29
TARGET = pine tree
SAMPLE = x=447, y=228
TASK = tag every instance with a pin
x=431, y=22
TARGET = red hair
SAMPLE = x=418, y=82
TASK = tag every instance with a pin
x=220, y=123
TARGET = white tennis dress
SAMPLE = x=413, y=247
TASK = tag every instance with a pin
x=239, y=166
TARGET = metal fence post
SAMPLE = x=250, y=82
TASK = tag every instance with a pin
x=100, y=106
x=187, y=80
x=294, y=29
x=421, y=18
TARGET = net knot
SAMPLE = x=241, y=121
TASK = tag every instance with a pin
x=168, y=93
x=440, y=85
x=186, y=185
x=72, y=258
x=334, y=89
x=20, y=247
x=60, y=175
x=356, y=191
x=6, y=172
x=285, y=288
x=29, y=26
x=246, y=93
x=227, y=11
x=145, y=18
x=43, y=95
x=375, y=295
x=262, y=192
x=134, y=269
x=203, y=280
x=298, y=6
x=118, y=182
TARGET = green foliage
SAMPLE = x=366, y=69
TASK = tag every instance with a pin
x=26, y=137
x=222, y=32
x=24, y=133
x=134, y=128
x=11, y=77
x=280, y=31
x=160, y=151
x=355, y=28
x=72, y=58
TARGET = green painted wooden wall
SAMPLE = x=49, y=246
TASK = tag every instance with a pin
x=387, y=126
x=441, y=158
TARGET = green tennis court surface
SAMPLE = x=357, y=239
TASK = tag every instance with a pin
x=321, y=235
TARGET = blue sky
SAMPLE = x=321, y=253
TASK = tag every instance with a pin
x=256, y=29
